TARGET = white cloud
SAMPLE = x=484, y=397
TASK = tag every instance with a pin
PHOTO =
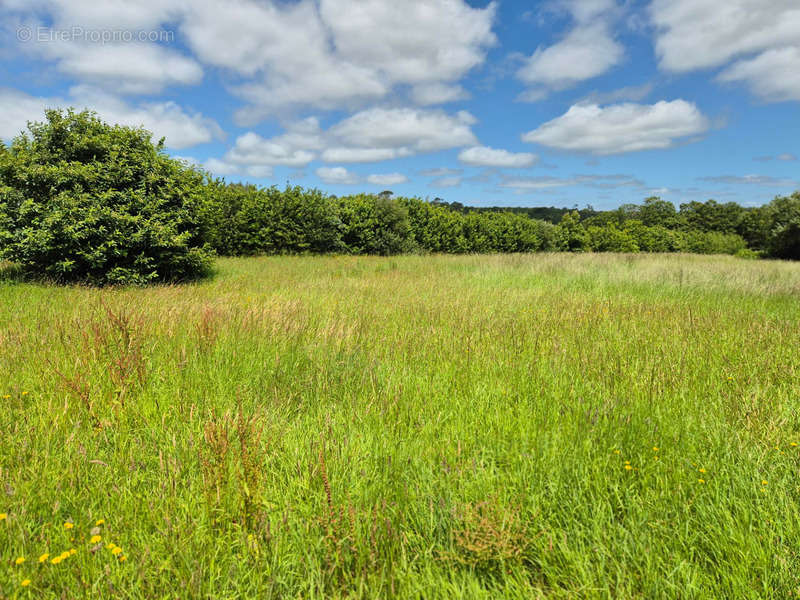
x=534, y=183
x=406, y=128
x=387, y=179
x=17, y=108
x=426, y=94
x=774, y=75
x=697, y=34
x=131, y=68
x=483, y=156
x=440, y=172
x=253, y=149
x=337, y=176
x=586, y=51
x=327, y=54
x=786, y=156
x=750, y=180
x=342, y=154
x=336, y=53
x=446, y=182
x=221, y=168
x=181, y=128
x=621, y=127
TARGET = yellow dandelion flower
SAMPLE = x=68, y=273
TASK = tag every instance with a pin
x=100, y=522
x=25, y=582
x=628, y=467
x=68, y=525
x=44, y=557
x=627, y=462
x=19, y=561
x=24, y=393
x=701, y=480
x=64, y=555
x=95, y=539
x=793, y=444
x=655, y=458
x=763, y=482
x=110, y=546
x=122, y=559
x=655, y=448
x=72, y=552
x=702, y=470
x=3, y=516
x=116, y=551
x=616, y=451
x=57, y=559
x=7, y=396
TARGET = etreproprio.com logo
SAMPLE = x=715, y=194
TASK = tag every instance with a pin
x=94, y=36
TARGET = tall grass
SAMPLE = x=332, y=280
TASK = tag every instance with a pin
x=602, y=426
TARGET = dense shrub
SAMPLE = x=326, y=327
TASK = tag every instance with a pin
x=244, y=220
x=783, y=216
x=83, y=201
x=611, y=239
x=374, y=225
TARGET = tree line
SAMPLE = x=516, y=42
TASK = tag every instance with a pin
x=84, y=201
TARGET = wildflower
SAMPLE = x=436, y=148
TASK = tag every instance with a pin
x=116, y=551
x=616, y=451
x=701, y=480
x=64, y=555
x=793, y=444
x=3, y=516
x=68, y=525
x=763, y=482
x=100, y=522
x=110, y=546
x=25, y=582
x=628, y=467
x=44, y=557
x=702, y=470
x=95, y=539
x=655, y=448
x=24, y=393
x=57, y=559
x=19, y=561
x=627, y=462
x=72, y=552
x=122, y=558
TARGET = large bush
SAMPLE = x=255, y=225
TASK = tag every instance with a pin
x=84, y=201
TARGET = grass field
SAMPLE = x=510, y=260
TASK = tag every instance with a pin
x=566, y=426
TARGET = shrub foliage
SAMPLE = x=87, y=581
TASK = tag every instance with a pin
x=84, y=201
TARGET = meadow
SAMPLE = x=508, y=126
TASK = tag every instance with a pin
x=502, y=426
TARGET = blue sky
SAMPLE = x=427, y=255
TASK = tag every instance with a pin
x=562, y=102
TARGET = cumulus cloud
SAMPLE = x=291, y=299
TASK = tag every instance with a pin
x=337, y=175
x=412, y=130
x=696, y=34
x=179, y=127
x=483, y=156
x=586, y=51
x=773, y=75
x=344, y=154
x=761, y=38
x=313, y=53
x=620, y=128
x=387, y=179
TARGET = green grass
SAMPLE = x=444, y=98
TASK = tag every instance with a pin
x=410, y=427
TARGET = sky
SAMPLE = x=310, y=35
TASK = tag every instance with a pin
x=502, y=103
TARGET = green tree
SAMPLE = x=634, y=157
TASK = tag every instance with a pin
x=84, y=201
